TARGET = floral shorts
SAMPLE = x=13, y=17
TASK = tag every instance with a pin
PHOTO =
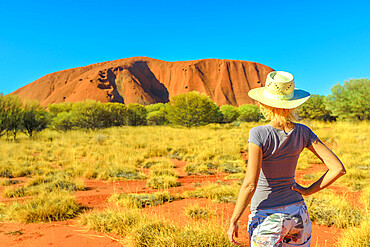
x=280, y=227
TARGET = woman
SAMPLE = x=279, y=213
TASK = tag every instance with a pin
x=279, y=215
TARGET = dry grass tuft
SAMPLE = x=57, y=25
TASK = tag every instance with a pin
x=196, y=212
x=327, y=208
x=45, y=208
x=153, y=232
x=163, y=182
x=356, y=236
x=142, y=200
x=220, y=193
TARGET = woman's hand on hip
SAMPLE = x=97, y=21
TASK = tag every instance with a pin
x=300, y=189
x=233, y=231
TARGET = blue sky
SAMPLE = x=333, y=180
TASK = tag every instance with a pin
x=321, y=43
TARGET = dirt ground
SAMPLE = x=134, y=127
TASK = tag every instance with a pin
x=70, y=233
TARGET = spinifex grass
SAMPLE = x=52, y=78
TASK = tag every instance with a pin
x=142, y=200
x=356, y=236
x=327, y=208
x=44, y=208
x=45, y=184
x=220, y=193
x=154, y=232
x=196, y=212
x=112, y=221
x=163, y=182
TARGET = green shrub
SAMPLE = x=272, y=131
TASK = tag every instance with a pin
x=315, y=109
x=249, y=113
x=136, y=115
x=230, y=113
x=192, y=109
x=350, y=101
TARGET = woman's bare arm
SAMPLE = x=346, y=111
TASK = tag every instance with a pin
x=334, y=165
x=247, y=189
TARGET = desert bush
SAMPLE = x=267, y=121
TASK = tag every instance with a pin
x=116, y=114
x=220, y=193
x=350, y=101
x=44, y=208
x=10, y=115
x=192, y=109
x=162, y=182
x=328, y=209
x=34, y=118
x=136, y=115
x=230, y=113
x=315, y=109
x=196, y=212
x=156, y=118
x=64, y=121
x=249, y=113
x=55, y=109
x=91, y=114
x=155, y=107
x=142, y=200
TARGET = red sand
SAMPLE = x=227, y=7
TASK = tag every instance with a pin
x=69, y=233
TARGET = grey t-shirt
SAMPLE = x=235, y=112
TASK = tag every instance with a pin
x=280, y=155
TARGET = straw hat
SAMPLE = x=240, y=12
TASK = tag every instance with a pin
x=279, y=91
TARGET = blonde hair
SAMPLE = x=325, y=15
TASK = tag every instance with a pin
x=281, y=116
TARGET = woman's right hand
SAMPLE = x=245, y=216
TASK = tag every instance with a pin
x=233, y=232
x=300, y=189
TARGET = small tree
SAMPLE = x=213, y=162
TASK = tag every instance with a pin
x=350, y=101
x=64, y=121
x=156, y=118
x=90, y=114
x=3, y=115
x=155, y=107
x=10, y=115
x=314, y=108
x=249, y=113
x=54, y=109
x=116, y=114
x=136, y=114
x=34, y=118
x=192, y=109
x=230, y=113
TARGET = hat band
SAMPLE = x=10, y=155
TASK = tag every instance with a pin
x=278, y=97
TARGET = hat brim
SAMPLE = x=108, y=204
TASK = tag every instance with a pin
x=300, y=96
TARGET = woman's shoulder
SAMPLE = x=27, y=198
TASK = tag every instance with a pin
x=260, y=128
x=302, y=127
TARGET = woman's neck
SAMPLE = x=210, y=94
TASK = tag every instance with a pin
x=286, y=126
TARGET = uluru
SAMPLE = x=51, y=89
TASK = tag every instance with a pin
x=146, y=81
